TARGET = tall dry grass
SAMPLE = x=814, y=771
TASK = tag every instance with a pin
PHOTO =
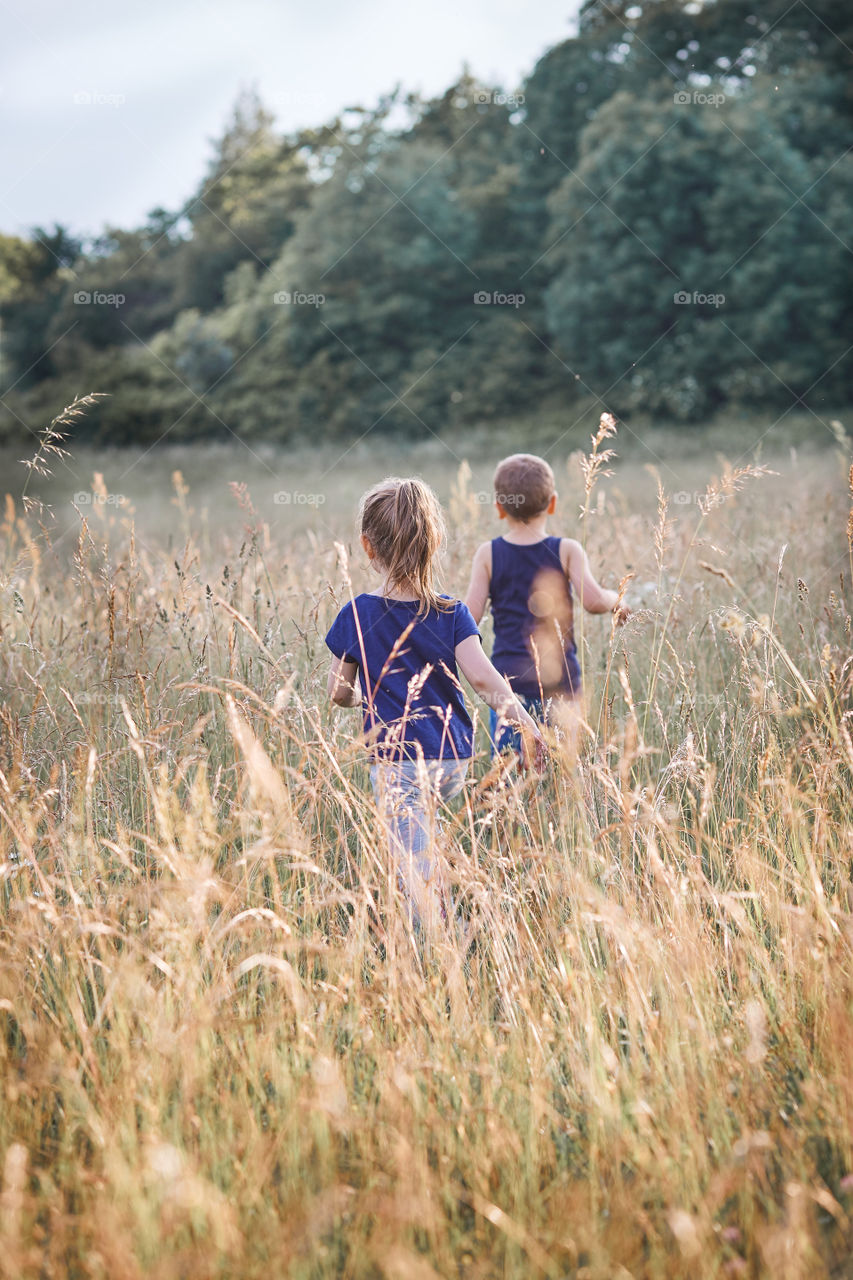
x=223, y=1054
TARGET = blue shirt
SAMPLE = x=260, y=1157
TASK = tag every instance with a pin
x=532, y=613
x=413, y=703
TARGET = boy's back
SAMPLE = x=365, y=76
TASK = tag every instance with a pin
x=528, y=576
x=533, y=618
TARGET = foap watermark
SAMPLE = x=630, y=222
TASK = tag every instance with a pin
x=295, y=298
x=707, y=700
x=685, y=499
x=697, y=98
x=696, y=299
x=95, y=298
x=94, y=698
x=496, y=98
x=100, y=499
x=507, y=500
x=95, y=98
x=483, y=298
x=298, y=498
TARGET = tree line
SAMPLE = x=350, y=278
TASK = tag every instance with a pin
x=656, y=222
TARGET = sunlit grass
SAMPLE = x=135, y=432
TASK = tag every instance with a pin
x=223, y=1053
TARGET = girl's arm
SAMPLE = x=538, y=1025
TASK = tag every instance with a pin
x=593, y=596
x=493, y=689
x=481, y=579
x=342, y=683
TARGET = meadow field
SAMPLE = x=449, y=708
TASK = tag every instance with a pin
x=223, y=1053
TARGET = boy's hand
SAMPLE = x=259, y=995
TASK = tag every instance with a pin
x=621, y=612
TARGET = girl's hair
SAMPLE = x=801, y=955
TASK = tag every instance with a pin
x=404, y=523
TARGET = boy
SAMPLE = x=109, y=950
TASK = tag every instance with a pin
x=532, y=580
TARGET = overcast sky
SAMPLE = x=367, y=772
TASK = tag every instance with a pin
x=107, y=109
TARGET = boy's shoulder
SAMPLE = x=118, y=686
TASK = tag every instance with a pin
x=568, y=546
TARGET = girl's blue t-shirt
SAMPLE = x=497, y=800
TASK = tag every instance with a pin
x=412, y=698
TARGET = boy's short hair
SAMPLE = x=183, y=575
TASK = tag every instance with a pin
x=524, y=485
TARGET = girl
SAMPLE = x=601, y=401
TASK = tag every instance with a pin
x=405, y=645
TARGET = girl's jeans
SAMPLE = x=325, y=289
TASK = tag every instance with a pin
x=408, y=793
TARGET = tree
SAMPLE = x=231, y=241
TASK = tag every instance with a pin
x=33, y=280
x=393, y=276
x=246, y=206
x=669, y=146
x=697, y=203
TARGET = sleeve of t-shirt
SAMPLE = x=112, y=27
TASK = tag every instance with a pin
x=342, y=636
x=464, y=624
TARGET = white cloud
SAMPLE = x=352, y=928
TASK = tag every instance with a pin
x=163, y=75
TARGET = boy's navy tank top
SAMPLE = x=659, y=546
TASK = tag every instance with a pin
x=534, y=646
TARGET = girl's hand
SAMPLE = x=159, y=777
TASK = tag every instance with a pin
x=342, y=683
x=621, y=612
x=534, y=751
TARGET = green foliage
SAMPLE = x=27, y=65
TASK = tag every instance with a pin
x=679, y=205
x=33, y=277
x=667, y=147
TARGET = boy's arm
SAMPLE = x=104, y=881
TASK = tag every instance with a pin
x=342, y=683
x=481, y=579
x=592, y=595
x=493, y=689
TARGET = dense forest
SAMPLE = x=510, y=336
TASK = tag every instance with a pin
x=657, y=220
